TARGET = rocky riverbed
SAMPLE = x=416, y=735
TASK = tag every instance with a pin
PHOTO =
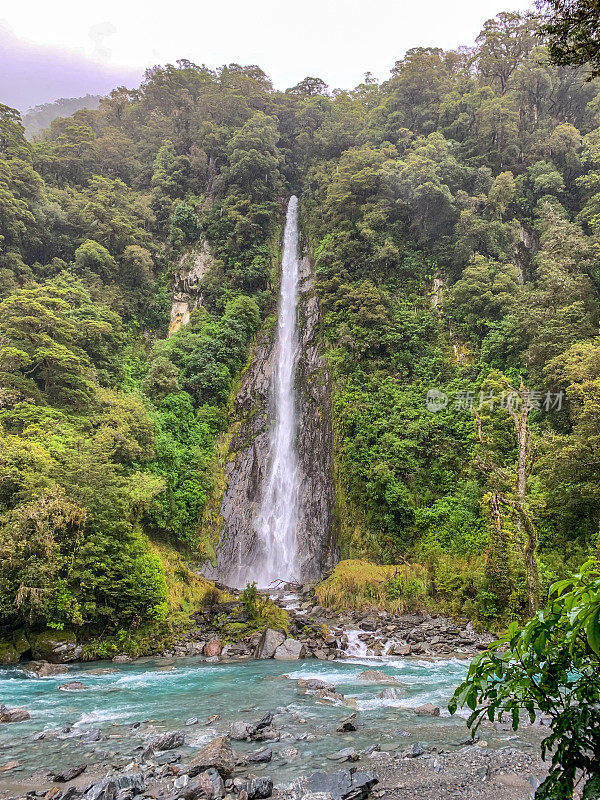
x=343, y=706
x=160, y=728
x=316, y=632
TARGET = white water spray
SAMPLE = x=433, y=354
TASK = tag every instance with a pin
x=278, y=516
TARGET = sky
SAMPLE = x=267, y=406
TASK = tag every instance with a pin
x=67, y=48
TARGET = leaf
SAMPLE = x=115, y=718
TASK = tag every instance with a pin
x=593, y=631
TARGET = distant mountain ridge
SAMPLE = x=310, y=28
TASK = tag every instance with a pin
x=40, y=116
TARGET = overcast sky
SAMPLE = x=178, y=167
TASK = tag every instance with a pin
x=67, y=48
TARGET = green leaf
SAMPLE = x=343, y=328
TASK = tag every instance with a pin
x=593, y=631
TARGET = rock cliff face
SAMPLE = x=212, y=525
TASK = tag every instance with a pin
x=185, y=296
x=249, y=453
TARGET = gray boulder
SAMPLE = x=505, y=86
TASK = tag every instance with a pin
x=240, y=731
x=217, y=754
x=13, y=714
x=391, y=694
x=57, y=647
x=427, y=709
x=70, y=774
x=268, y=643
x=343, y=785
x=109, y=787
x=43, y=669
x=168, y=741
x=290, y=650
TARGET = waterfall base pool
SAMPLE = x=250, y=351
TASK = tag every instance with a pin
x=129, y=704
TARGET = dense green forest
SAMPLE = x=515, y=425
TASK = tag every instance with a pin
x=453, y=216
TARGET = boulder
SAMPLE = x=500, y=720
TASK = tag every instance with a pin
x=343, y=785
x=13, y=714
x=427, y=709
x=261, y=756
x=240, y=731
x=369, y=624
x=8, y=654
x=290, y=650
x=72, y=686
x=122, y=658
x=400, y=650
x=377, y=676
x=168, y=741
x=259, y=788
x=21, y=641
x=347, y=754
x=199, y=787
x=213, y=648
x=268, y=643
x=217, y=754
x=57, y=647
x=312, y=684
x=348, y=724
x=42, y=669
x=9, y=765
x=111, y=785
x=69, y=774
x=391, y=694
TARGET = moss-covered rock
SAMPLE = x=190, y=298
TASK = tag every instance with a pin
x=8, y=654
x=20, y=641
x=57, y=647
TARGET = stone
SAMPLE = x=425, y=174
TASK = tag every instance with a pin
x=312, y=684
x=369, y=624
x=377, y=676
x=122, y=658
x=391, y=694
x=93, y=735
x=427, y=709
x=43, y=669
x=268, y=643
x=217, y=782
x=109, y=786
x=8, y=654
x=70, y=774
x=72, y=686
x=342, y=785
x=13, y=714
x=400, y=650
x=57, y=647
x=213, y=648
x=240, y=731
x=217, y=754
x=168, y=741
x=261, y=756
x=20, y=641
x=200, y=786
x=289, y=753
x=347, y=754
x=348, y=724
x=259, y=788
x=8, y=766
x=191, y=721
x=290, y=650
x=415, y=751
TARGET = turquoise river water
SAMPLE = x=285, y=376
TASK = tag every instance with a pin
x=131, y=703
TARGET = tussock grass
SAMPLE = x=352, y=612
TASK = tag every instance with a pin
x=188, y=591
x=359, y=584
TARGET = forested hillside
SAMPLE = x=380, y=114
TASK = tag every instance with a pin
x=453, y=216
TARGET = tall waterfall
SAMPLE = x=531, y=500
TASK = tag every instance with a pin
x=277, y=519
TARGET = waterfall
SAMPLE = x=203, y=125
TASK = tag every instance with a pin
x=277, y=519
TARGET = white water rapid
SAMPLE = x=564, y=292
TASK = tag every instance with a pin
x=278, y=516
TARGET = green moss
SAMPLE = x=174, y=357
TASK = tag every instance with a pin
x=8, y=654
